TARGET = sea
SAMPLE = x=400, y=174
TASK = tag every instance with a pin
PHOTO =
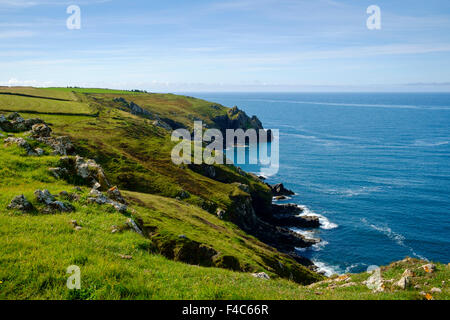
x=375, y=168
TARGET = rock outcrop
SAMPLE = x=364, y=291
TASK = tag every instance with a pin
x=238, y=119
x=52, y=205
x=21, y=142
x=280, y=190
x=20, y=203
x=15, y=123
x=79, y=169
x=95, y=196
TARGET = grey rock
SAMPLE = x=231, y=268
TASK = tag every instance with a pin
x=20, y=203
x=44, y=196
x=261, y=275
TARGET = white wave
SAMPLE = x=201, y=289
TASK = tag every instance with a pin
x=306, y=233
x=394, y=236
x=324, y=222
x=354, y=192
x=425, y=143
x=274, y=199
x=327, y=269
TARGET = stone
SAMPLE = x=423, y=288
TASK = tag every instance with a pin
x=74, y=223
x=98, y=197
x=220, y=213
x=114, y=194
x=22, y=143
x=436, y=290
x=126, y=257
x=44, y=196
x=58, y=206
x=39, y=152
x=20, y=203
x=279, y=198
x=261, y=275
x=408, y=273
x=78, y=228
x=375, y=281
x=40, y=130
x=403, y=283
x=429, y=268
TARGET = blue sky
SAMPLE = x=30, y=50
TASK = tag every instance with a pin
x=227, y=45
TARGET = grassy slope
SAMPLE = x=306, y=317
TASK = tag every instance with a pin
x=36, y=248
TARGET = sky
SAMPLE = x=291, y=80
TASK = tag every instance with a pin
x=227, y=45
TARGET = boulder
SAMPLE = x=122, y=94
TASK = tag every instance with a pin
x=52, y=205
x=99, y=198
x=261, y=275
x=58, y=206
x=408, y=273
x=21, y=142
x=114, y=194
x=429, y=268
x=20, y=203
x=403, y=283
x=436, y=290
x=86, y=170
x=375, y=281
x=61, y=145
x=40, y=130
x=44, y=196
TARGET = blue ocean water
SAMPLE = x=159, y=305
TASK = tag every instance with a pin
x=375, y=166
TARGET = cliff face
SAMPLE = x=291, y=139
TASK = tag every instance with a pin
x=237, y=119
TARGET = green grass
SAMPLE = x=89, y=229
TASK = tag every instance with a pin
x=41, y=105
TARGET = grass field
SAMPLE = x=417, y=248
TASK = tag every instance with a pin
x=42, y=105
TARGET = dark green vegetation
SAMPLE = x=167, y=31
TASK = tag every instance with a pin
x=187, y=251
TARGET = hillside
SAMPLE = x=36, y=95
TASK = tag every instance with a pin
x=171, y=232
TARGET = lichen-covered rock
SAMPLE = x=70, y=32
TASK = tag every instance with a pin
x=114, y=194
x=59, y=206
x=20, y=203
x=95, y=196
x=40, y=130
x=429, y=268
x=21, y=142
x=86, y=171
x=261, y=275
x=15, y=123
x=52, y=205
x=61, y=145
x=403, y=283
x=44, y=196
